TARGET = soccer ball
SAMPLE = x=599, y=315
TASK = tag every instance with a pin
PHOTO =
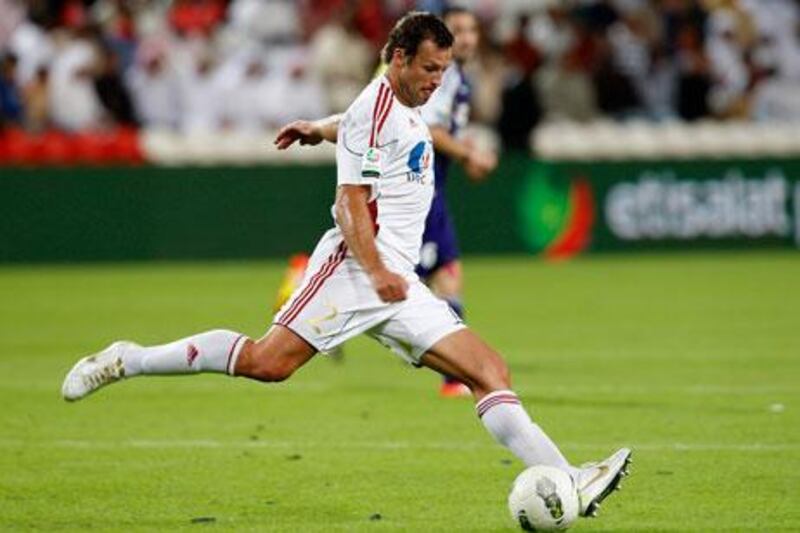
x=543, y=498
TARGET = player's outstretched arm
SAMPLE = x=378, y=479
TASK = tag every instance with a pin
x=352, y=215
x=477, y=163
x=308, y=132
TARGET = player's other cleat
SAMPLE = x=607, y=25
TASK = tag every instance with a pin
x=292, y=279
x=596, y=481
x=454, y=389
x=95, y=371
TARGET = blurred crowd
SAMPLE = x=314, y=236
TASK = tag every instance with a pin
x=252, y=65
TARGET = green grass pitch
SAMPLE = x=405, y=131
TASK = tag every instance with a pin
x=693, y=360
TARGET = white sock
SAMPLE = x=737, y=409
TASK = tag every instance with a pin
x=212, y=351
x=510, y=425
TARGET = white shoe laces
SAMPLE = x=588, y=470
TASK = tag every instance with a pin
x=104, y=374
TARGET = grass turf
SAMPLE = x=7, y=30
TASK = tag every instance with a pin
x=693, y=360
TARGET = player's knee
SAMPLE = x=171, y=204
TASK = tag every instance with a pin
x=496, y=375
x=492, y=375
x=258, y=363
x=502, y=374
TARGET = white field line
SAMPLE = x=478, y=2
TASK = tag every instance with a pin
x=379, y=445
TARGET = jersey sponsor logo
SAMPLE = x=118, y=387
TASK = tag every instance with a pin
x=419, y=160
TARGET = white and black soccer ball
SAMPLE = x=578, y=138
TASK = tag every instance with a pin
x=543, y=498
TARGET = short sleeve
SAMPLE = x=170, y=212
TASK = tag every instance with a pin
x=358, y=160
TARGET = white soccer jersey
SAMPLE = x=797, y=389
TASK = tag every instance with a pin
x=386, y=145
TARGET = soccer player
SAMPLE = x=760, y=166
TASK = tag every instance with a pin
x=446, y=113
x=361, y=275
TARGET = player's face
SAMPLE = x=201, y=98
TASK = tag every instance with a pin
x=464, y=27
x=421, y=76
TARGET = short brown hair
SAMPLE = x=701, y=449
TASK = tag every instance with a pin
x=409, y=32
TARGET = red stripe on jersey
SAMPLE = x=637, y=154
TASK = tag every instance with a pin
x=334, y=260
x=384, y=115
x=311, y=282
x=308, y=288
x=308, y=293
x=317, y=285
x=383, y=92
x=373, y=215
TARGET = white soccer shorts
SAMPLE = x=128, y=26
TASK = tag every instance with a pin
x=336, y=301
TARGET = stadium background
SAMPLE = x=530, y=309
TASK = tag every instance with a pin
x=165, y=87
x=141, y=130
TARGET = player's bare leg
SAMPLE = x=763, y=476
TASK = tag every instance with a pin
x=466, y=357
x=274, y=357
x=446, y=282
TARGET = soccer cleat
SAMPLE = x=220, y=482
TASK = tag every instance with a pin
x=95, y=371
x=454, y=389
x=596, y=481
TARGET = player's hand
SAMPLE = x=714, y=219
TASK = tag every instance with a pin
x=308, y=133
x=480, y=164
x=390, y=287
